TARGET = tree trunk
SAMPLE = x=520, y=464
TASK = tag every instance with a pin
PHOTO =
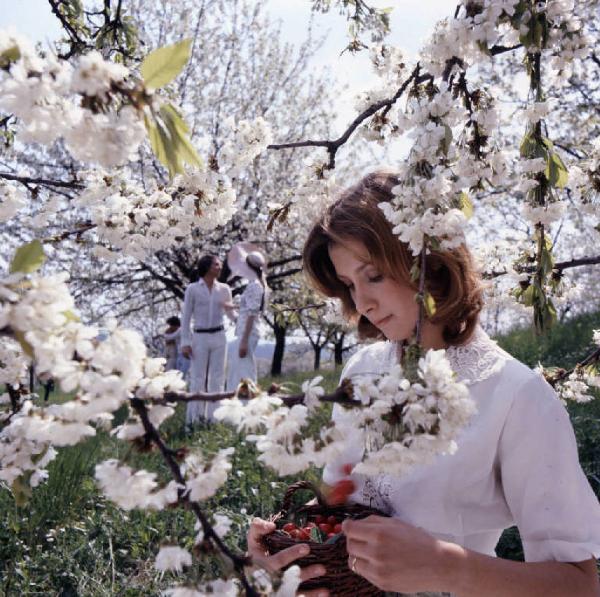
x=338, y=349
x=277, y=362
x=317, y=350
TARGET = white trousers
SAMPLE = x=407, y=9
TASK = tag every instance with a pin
x=237, y=368
x=207, y=372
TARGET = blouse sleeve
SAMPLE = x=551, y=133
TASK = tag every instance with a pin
x=552, y=503
x=253, y=297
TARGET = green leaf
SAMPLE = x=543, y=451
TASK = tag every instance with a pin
x=28, y=258
x=179, y=132
x=533, y=148
x=70, y=316
x=466, y=205
x=556, y=171
x=168, y=136
x=415, y=271
x=162, y=65
x=21, y=489
x=9, y=56
x=528, y=295
x=546, y=261
x=447, y=140
x=429, y=303
x=20, y=338
x=316, y=535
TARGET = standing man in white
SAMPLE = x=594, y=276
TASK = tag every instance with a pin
x=205, y=303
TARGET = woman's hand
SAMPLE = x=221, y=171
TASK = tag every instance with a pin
x=259, y=528
x=395, y=556
x=243, y=348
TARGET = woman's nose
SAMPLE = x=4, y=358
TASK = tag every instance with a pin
x=364, y=301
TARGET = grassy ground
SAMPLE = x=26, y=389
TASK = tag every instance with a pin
x=69, y=541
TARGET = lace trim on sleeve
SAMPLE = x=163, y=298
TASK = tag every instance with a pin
x=376, y=493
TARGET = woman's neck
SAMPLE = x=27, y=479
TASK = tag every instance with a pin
x=433, y=336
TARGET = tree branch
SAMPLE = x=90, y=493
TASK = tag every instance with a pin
x=169, y=455
x=42, y=181
x=559, y=267
x=333, y=145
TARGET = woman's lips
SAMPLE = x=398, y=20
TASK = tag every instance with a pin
x=383, y=321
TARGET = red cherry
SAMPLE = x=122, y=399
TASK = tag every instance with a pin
x=319, y=519
x=325, y=528
x=332, y=521
x=303, y=535
x=330, y=535
x=288, y=527
x=337, y=528
x=340, y=492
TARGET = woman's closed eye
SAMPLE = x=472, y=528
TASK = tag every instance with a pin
x=375, y=278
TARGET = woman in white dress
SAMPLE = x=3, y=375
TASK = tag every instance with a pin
x=247, y=261
x=516, y=461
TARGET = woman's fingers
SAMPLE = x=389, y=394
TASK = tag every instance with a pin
x=287, y=556
x=314, y=593
x=259, y=528
x=313, y=571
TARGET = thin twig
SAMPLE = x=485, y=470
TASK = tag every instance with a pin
x=593, y=356
x=42, y=181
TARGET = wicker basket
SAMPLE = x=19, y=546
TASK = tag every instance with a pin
x=339, y=579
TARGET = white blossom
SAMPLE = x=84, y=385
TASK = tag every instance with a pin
x=172, y=557
x=203, y=478
x=94, y=75
x=312, y=392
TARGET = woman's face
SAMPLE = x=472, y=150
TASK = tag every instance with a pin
x=386, y=303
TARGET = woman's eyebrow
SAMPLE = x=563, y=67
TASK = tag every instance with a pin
x=356, y=271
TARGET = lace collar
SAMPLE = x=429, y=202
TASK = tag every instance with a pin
x=478, y=359
x=472, y=362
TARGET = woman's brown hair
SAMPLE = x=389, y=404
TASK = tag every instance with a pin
x=450, y=276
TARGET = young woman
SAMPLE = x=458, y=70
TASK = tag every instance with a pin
x=246, y=261
x=516, y=461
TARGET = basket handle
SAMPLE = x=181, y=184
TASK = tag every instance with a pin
x=289, y=493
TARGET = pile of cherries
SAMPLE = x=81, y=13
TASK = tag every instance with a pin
x=329, y=526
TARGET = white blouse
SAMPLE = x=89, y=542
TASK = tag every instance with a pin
x=516, y=463
x=250, y=304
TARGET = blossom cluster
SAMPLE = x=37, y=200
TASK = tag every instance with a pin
x=442, y=167
x=244, y=141
x=406, y=424
x=285, y=586
x=13, y=364
x=12, y=200
x=138, y=220
x=91, y=106
x=578, y=385
x=401, y=424
x=40, y=312
x=45, y=93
